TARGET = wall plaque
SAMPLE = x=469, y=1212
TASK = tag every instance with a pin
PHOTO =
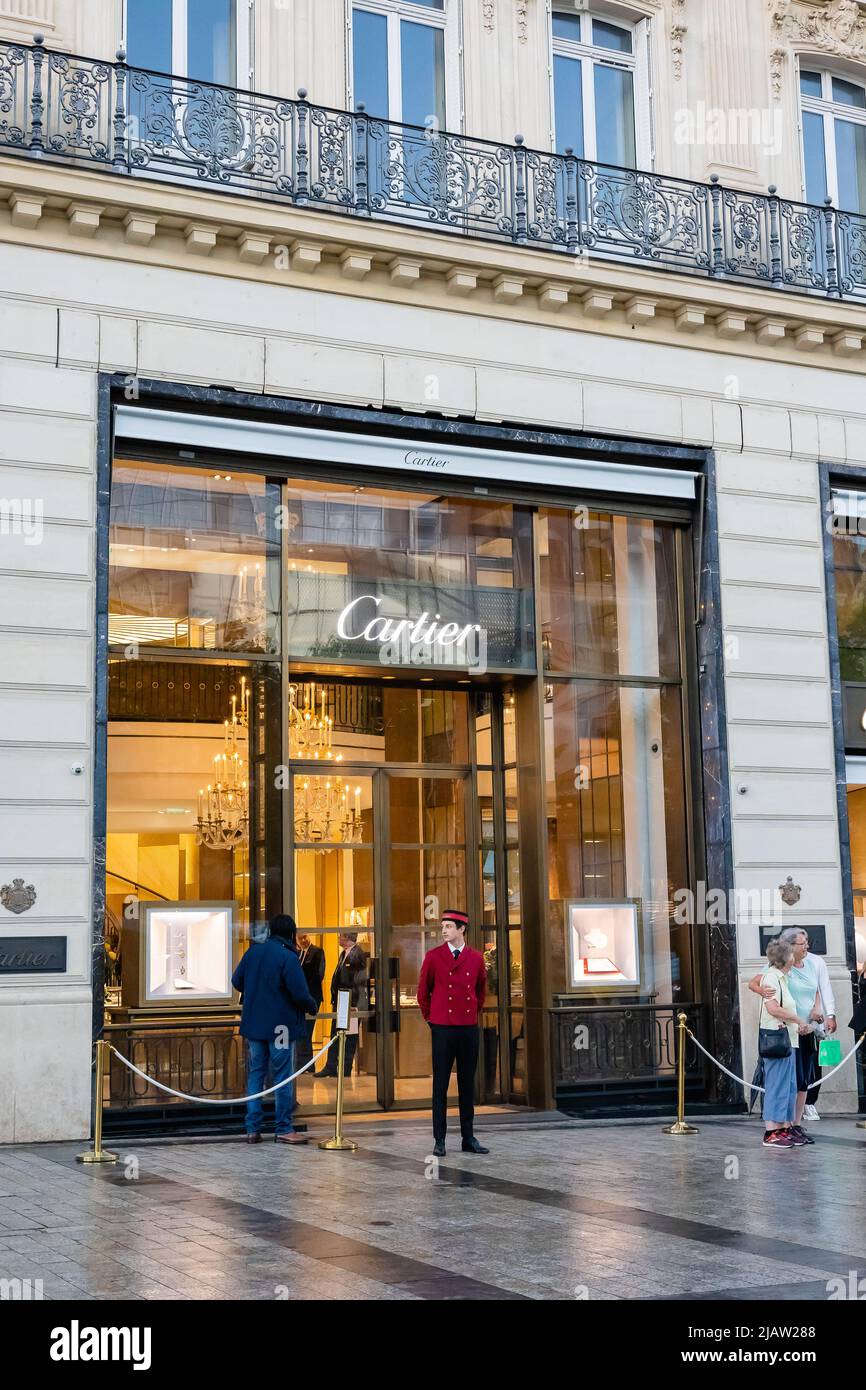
x=817, y=937
x=32, y=955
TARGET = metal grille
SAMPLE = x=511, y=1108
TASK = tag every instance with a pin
x=621, y=1043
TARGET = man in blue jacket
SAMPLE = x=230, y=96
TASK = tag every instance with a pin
x=275, y=999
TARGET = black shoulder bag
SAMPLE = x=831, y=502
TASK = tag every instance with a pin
x=774, y=1042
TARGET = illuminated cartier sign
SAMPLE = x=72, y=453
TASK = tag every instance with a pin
x=421, y=630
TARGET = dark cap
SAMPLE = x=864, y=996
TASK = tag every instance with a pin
x=460, y=919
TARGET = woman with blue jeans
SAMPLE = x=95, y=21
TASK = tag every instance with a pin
x=275, y=999
x=780, y=1073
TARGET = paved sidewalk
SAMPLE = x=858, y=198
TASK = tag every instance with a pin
x=557, y=1211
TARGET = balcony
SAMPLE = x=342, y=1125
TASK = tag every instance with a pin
x=147, y=125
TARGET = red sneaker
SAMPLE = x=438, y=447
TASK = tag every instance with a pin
x=778, y=1139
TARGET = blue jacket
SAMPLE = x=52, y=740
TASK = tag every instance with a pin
x=274, y=992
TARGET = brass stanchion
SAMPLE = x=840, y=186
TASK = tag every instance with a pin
x=338, y=1142
x=98, y=1154
x=680, y=1126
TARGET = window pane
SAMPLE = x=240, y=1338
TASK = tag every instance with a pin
x=423, y=883
x=614, y=116
x=849, y=93
x=370, y=61
x=426, y=810
x=334, y=888
x=810, y=84
x=568, y=104
x=148, y=34
x=814, y=157
x=333, y=809
x=567, y=26
x=616, y=818
x=608, y=594
x=212, y=41
x=611, y=36
x=422, y=50
x=395, y=578
x=851, y=165
x=194, y=559
x=166, y=731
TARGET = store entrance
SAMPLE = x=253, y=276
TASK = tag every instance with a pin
x=397, y=814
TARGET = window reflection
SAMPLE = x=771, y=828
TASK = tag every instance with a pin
x=194, y=559
x=398, y=578
x=608, y=594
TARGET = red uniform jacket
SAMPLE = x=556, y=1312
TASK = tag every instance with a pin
x=449, y=990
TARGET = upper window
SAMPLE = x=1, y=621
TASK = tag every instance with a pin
x=834, y=139
x=399, y=53
x=193, y=38
x=594, y=71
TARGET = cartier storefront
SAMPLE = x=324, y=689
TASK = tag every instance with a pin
x=361, y=682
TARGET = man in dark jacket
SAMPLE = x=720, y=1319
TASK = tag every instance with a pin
x=350, y=973
x=312, y=962
x=275, y=999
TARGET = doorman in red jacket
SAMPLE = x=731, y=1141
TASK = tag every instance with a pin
x=450, y=994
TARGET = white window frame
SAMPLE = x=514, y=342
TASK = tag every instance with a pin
x=830, y=111
x=179, y=45
x=394, y=11
x=591, y=55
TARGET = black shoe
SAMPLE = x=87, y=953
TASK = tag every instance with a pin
x=439, y=1148
x=472, y=1146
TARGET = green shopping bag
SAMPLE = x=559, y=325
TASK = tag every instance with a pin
x=829, y=1052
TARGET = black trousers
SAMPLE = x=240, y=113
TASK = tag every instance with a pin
x=332, y=1057
x=454, y=1043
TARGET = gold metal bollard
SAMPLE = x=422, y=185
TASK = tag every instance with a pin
x=98, y=1154
x=680, y=1126
x=338, y=1142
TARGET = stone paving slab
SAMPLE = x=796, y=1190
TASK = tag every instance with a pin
x=565, y=1211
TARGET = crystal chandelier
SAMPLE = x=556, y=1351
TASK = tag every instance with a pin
x=311, y=731
x=224, y=807
x=325, y=810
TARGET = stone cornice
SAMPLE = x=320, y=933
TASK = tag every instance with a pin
x=58, y=208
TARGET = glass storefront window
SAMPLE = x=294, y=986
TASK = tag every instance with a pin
x=194, y=559
x=395, y=578
x=167, y=750
x=608, y=594
x=857, y=830
x=616, y=820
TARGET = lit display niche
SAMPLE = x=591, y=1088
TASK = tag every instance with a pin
x=604, y=946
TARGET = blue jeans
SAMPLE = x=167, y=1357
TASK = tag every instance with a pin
x=282, y=1060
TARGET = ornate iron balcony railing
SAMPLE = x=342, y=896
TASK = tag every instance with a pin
x=136, y=123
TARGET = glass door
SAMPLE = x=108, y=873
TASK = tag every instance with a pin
x=428, y=824
x=377, y=853
x=334, y=815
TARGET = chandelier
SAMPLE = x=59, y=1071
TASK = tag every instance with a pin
x=311, y=731
x=224, y=807
x=325, y=810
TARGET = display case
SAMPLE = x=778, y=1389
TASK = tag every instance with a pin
x=184, y=956
x=605, y=947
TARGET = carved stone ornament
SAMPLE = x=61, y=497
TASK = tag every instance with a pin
x=522, y=20
x=488, y=9
x=679, y=29
x=837, y=27
x=16, y=898
x=790, y=892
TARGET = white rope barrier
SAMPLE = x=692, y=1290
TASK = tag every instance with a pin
x=752, y=1087
x=231, y=1100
